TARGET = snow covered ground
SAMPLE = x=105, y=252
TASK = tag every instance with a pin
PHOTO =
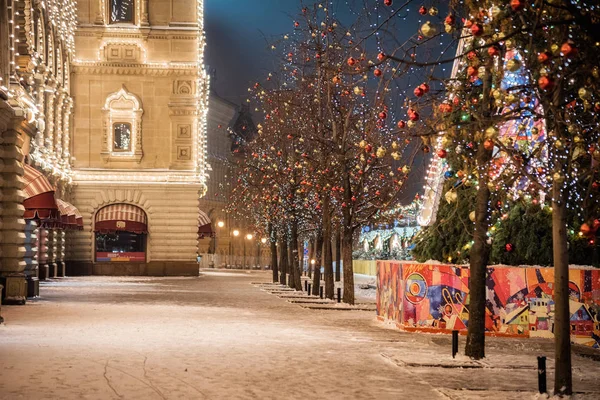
x=219, y=337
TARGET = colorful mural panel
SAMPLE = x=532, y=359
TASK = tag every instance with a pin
x=434, y=297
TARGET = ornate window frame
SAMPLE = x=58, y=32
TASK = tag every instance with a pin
x=124, y=107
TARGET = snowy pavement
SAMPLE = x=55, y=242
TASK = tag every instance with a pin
x=217, y=336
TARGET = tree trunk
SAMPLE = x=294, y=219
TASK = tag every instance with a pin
x=479, y=257
x=348, y=270
x=291, y=266
x=563, y=381
x=283, y=261
x=273, y=244
x=318, y=263
x=327, y=259
x=338, y=254
x=296, y=281
x=311, y=256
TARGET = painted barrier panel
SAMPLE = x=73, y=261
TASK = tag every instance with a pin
x=434, y=297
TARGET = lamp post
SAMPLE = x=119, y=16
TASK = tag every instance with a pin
x=235, y=234
x=220, y=224
x=248, y=237
x=263, y=241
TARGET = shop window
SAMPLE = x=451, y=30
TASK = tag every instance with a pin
x=121, y=11
x=120, y=246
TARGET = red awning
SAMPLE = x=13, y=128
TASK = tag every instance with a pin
x=69, y=215
x=204, y=226
x=121, y=217
x=39, y=200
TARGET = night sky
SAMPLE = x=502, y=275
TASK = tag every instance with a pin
x=236, y=47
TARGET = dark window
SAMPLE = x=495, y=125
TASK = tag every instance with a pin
x=121, y=136
x=121, y=11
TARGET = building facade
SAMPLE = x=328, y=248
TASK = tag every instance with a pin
x=36, y=48
x=139, y=148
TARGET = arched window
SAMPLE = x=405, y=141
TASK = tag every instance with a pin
x=122, y=136
x=121, y=11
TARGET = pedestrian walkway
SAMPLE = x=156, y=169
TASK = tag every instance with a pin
x=218, y=336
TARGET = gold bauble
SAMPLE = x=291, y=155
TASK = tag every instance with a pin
x=448, y=28
x=380, y=152
x=584, y=94
x=513, y=65
x=433, y=11
x=491, y=132
x=428, y=29
x=450, y=196
x=596, y=72
x=472, y=216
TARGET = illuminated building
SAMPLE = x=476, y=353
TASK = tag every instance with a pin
x=36, y=47
x=139, y=137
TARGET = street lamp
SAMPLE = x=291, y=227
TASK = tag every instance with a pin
x=263, y=240
x=220, y=224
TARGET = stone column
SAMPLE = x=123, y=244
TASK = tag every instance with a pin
x=31, y=263
x=51, y=253
x=12, y=231
x=59, y=234
x=42, y=246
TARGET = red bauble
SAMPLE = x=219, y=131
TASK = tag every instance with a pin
x=477, y=29
x=422, y=10
x=544, y=57
x=493, y=51
x=388, y=2
x=585, y=229
x=517, y=5
x=568, y=49
x=401, y=124
x=296, y=24
x=368, y=148
x=418, y=92
x=425, y=149
x=445, y=108
x=381, y=56
x=413, y=115
x=351, y=61
x=509, y=247
x=442, y=153
x=471, y=71
x=488, y=145
x=546, y=83
x=450, y=19
x=424, y=87
x=596, y=224
x=377, y=72
x=382, y=115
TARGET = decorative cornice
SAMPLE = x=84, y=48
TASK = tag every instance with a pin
x=161, y=33
x=129, y=177
x=99, y=67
